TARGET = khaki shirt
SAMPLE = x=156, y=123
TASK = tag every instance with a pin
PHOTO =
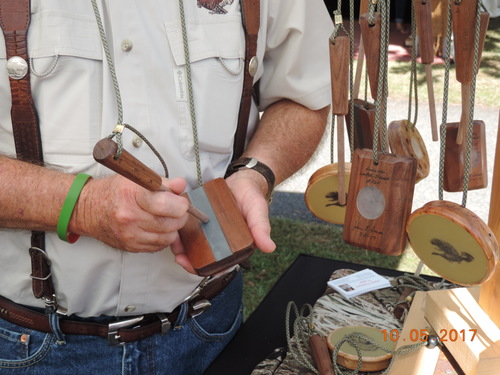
x=76, y=104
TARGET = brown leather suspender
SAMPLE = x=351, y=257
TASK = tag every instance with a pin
x=14, y=21
x=250, y=10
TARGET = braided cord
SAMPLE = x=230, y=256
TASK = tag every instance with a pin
x=442, y=144
x=351, y=76
x=118, y=131
x=382, y=89
x=302, y=330
x=190, y=92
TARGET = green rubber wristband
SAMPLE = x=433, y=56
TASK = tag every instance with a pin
x=68, y=207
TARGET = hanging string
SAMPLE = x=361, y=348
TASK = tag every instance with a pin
x=351, y=76
x=382, y=89
x=118, y=130
x=442, y=144
x=190, y=92
x=413, y=74
x=302, y=329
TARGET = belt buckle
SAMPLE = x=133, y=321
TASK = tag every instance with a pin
x=113, y=336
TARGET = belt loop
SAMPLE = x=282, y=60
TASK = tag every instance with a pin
x=56, y=329
x=183, y=315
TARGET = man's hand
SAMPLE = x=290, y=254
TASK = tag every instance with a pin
x=249, y=189
x=128, y=217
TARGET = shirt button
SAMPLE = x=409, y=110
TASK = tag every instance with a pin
x=137, y=141
x=130, y=308
x=127, y=45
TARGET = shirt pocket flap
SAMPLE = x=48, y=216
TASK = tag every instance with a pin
x=64, y=33
x=206, y=39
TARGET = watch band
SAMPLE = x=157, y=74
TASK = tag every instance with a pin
x=253, y=163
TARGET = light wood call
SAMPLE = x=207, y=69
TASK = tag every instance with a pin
x=464, y=31
x=423, y=15
x=339, y=64
x=130, y=167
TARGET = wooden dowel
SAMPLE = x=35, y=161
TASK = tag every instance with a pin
x=464, y=118
x=341, y=160
x=130, y=167
x=432, y=102
x=359, y=69
x=423, y=16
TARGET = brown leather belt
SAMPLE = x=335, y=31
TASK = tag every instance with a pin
x=120, y=331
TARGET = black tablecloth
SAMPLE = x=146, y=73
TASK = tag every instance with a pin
x=303, y=282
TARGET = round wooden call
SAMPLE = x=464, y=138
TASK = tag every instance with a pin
x=423, y=16
x=453, y=242
x=464, y=31
x=373, y=358
x=406, y=141
x=454, y=159
x=322, y=193
x=371, y=34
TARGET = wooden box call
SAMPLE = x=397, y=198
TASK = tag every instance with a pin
x=379, y=202
x=216, y=236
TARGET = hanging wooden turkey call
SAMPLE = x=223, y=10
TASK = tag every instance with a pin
x=379, y=201
x=363, y=112
x=405, y=140
x=326, y=192
x=464, y=21
x=216, y=236
x=453, y=242
x=464, y=31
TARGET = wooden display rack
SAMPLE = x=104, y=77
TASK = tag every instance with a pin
x=471, y=313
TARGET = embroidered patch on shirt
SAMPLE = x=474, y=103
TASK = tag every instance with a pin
x=215, y=6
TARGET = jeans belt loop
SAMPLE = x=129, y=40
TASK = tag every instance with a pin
x=165, y=323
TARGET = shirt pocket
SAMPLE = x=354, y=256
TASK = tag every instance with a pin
x=66, y=60
x=216, y=53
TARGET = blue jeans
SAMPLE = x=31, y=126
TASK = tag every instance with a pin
x=188, y=348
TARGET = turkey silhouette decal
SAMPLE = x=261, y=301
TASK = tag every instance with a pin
x=215, y=6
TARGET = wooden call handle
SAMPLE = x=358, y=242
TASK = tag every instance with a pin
x=371, y=35
x=464, y=31
x=339, y=69
x=321, y=354
x=130, y=167
x=363, y=7
x=423, y=15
